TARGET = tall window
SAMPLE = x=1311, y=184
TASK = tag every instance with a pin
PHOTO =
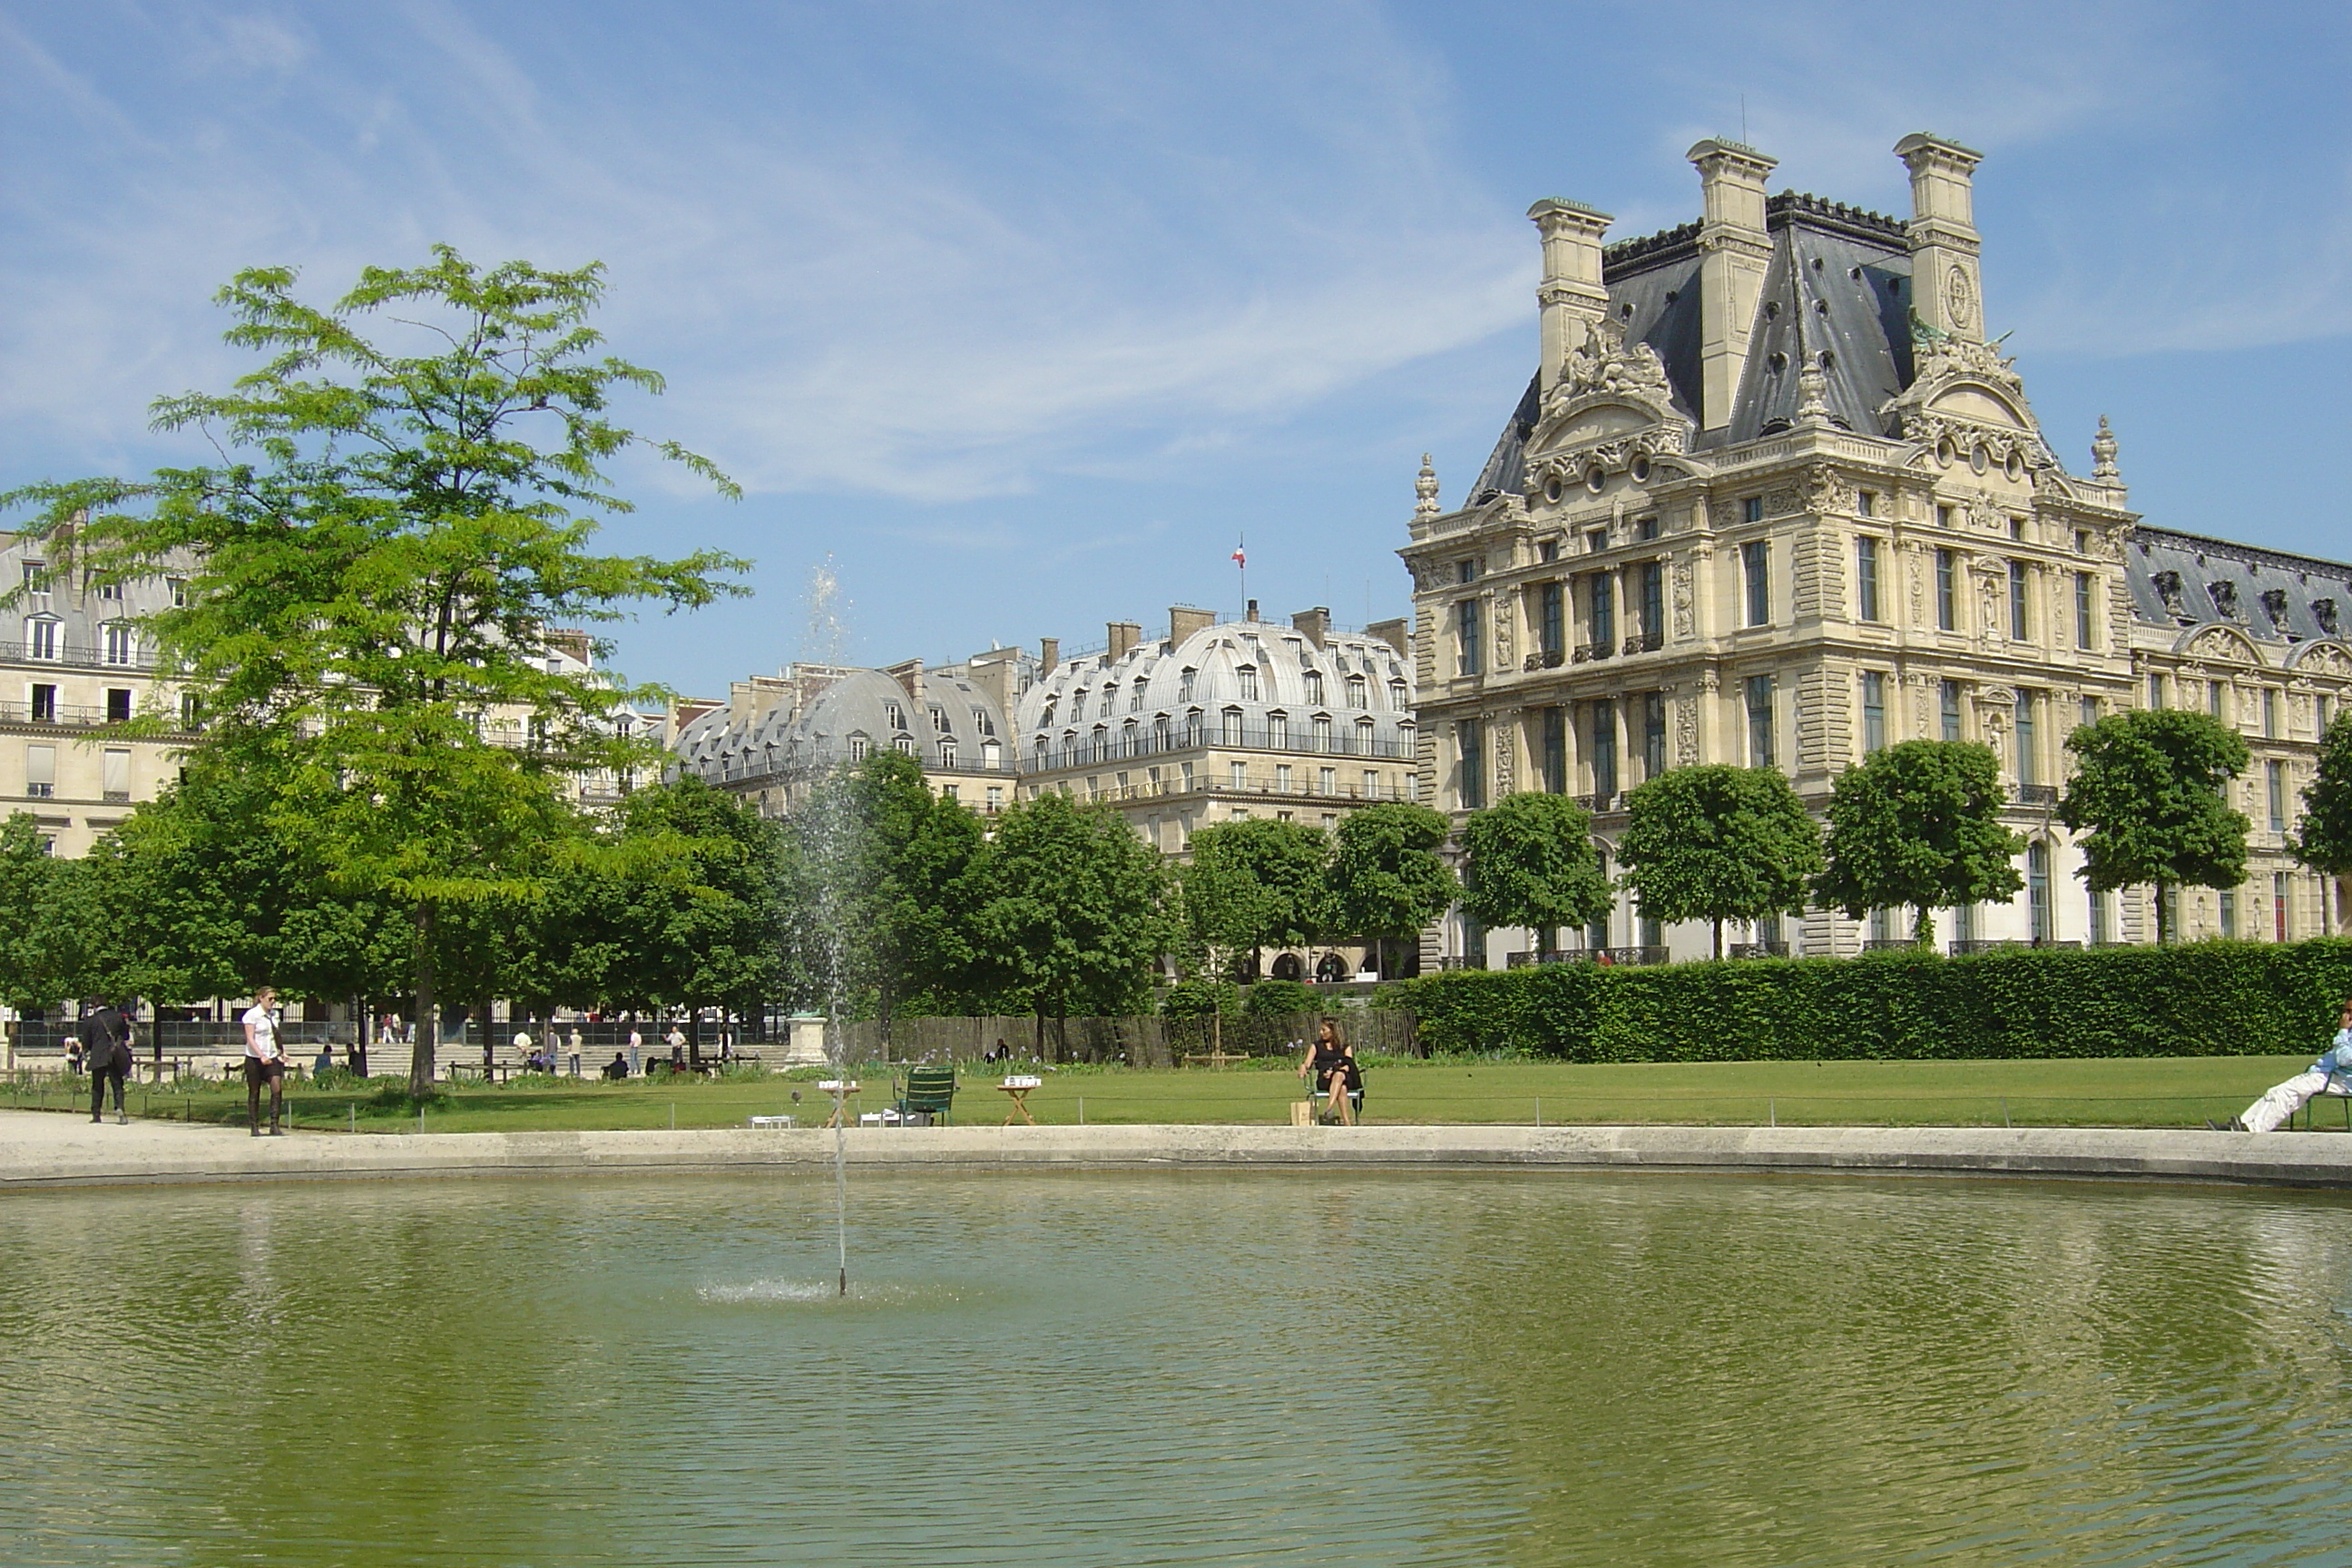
x=2281, y=890
x=40, y=771
x=1951, y=710
x=1327, y=780
x=1314, y=679
x=2156, y=690
x=2276, y=776
x=117, y=704
x=1757, y=566
x=1948, y=609
x=1873, y=712
x=1653, y=578
x=2229, y=913
x=1865, y=576
x=1470, y=736
x=1602, y=600
x=1760, y=752
x=2099, y=933
x=2029, y=757
x=1185, y=680
x=40, y=639
x=1549, y=613
x=1247, y=675
x=1278, y=731
x=1238, y=776
x=1232, y=726
x=2086, y=625
x=1320, y=728
x=1653, y=734
x=45, y=704
x=2214, y=697
x=2090, y=714
x=1604, y=752
x=2270, y=712
x=1555, y=751
x=1470, y=658
x=1359, y=693
x=2037, y=888
x=2019, y=629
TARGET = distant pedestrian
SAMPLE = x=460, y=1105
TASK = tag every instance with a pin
x=636, y=1047
x=265, y=1062
x=325, y=1063
x=110, y=1056
x=74, y=1055
x=618, y=1068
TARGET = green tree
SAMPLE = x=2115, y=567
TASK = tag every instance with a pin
x=2146, y=797
x=1529, y=861
x=1918, y=824
x=887, y=898
x=1074, y=919
x=1387, y=880
x=2323, y=839
x=379, y=570
x=41, y=903
x=686, y=911
x=1718, y=844
x=1252, y=884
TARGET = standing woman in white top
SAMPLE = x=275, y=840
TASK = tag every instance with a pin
x=265, y=1062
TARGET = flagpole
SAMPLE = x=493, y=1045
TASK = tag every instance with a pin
x=1240, y=559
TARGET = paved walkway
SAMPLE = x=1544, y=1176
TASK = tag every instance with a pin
x=50, y=1149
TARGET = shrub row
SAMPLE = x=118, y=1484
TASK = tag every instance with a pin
x=2218, y=998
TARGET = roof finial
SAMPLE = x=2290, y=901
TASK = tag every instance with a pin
x=1812, y=401
x=1425, y=488
x=2103, y=455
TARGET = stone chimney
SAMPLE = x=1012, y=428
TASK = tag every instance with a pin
x=1571, y=296
x=1252, y=616
x=1184, y=621
x=1946, y=288
x=1316, y=623
x=1124, y=635
x=1733, y=250
x=1391, y=633
x=910, y=675
x=1049, y=653
x=992, y=672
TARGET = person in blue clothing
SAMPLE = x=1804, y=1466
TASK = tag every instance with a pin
x=2331, y=1074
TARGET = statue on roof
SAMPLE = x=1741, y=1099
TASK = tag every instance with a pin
x=2103, y=454
x=1424, y=488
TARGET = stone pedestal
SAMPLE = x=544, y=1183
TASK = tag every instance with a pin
x=805, y=1040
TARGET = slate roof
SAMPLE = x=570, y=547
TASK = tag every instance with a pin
x=1837, y=285
x=2186, y=580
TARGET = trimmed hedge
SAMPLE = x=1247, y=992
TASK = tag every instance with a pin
x=2210, y=998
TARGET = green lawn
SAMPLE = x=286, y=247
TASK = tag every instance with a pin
x=2171, y=1091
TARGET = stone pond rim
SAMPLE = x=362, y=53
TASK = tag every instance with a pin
x=41, y=1152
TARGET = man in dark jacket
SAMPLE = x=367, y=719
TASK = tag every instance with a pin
x=110, y=1056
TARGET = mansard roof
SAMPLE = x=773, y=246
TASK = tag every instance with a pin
x=1837, y=287
x=2188, y=579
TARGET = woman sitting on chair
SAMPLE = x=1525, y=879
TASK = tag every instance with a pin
x=1332, y=1060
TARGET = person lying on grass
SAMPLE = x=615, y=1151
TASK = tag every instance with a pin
x=2331, y=1074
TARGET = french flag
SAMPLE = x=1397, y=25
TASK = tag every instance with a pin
x=1239, y=559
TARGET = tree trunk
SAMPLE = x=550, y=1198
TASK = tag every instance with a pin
x=1718, y=938
x=2163, y=915
x=421, y=1065
x=1923, y=930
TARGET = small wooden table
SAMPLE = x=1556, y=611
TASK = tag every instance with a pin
x=1017, y=1090
x=841, y=1089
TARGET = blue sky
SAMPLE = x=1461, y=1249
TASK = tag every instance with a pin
x=1022, y=313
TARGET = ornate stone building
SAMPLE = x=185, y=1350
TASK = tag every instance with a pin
x=1773, y=497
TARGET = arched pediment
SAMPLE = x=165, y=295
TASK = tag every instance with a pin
x=1980, y=403
x=1589, y=421
x=2217, y=639
x=2325, y=657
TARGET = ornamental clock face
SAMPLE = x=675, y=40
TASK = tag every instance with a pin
x=1959, y=299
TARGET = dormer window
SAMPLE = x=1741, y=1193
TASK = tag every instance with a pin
x=40, y=638
x=1184, y=684
x=2275, y=607
x=947, y=753
x=940, y=721
x=2324, y=612
x=1313, y=686
x=1277, y=730
x=1357, y=691
x=2225, y=598
x=982, y=722
x=1397, y=695
x=896, y=715
x=1135, y=695
x=2168, y=588
x=1322, y=726
x=906, y=745
x=860, y=748
x=1247, y=674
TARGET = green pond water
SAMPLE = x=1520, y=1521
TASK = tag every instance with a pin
x=1264, y=1368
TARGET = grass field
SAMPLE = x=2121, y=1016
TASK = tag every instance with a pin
x=2170, y=1091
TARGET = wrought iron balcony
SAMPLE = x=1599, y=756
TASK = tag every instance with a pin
x=1544, y=658
x=1645, y=642
x=2037, y=795
x=1588, y=652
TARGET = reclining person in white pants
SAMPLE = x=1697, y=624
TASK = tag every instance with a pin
x=2332, y=1073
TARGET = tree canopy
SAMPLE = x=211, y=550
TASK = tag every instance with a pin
x=384, y=569
x=2146, y=798
x=1716, y=843
x=2323, y=839
x=1074, y=919
x=1529, y=861
x=1918, y=824
x=1387, y=880
x=1252, y=884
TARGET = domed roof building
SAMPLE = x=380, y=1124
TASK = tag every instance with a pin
x=777, y=734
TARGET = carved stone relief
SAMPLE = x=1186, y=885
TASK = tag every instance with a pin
x=1685, y=625
x=1686, y=730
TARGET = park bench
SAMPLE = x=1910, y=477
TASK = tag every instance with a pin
x=1215, y=1058
x=926, y=1092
